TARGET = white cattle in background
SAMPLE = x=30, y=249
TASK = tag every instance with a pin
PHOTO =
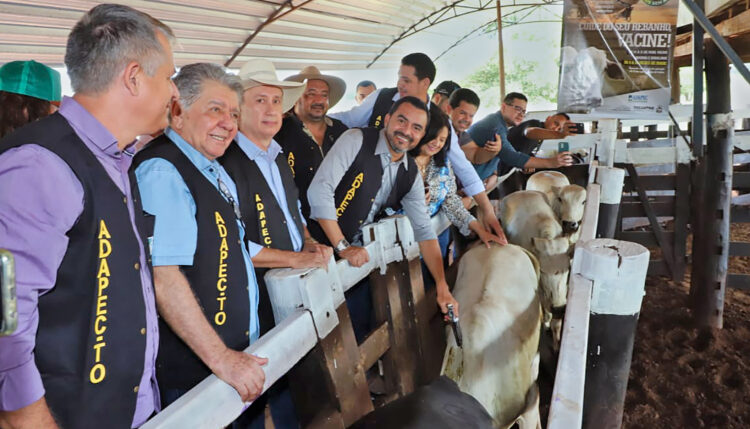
x=528, y=221
x=496, y=289
x=567, y=201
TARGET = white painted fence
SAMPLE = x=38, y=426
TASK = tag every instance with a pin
x=566, y=407
x=304, y=303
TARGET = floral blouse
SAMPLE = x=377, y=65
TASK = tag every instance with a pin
x=443, y=196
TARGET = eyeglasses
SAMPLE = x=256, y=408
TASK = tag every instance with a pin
x=518, y=109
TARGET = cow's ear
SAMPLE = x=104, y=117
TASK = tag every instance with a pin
x=557, y=189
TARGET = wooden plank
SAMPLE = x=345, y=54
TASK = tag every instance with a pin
x=637, y=210
x=342, y=362
x=566, y=409
x=741, y=180
x=651, y=183
x=740, y=214
x=424, y=306
x=213, y=403
x=738, y=281
x=739, y=248
x=374, y=346
x=664, y=242
x=681, y=219
x=645, y=238
x=399, y=362
x=653, y=199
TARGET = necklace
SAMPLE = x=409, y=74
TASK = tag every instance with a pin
x=422, y=167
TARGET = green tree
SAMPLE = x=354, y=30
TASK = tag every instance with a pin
x=520, y=75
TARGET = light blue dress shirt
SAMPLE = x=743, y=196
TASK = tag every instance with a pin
x=165, y=195
x=266, y=162
x=359, y=116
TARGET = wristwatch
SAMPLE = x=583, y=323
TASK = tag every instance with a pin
x=341, y=245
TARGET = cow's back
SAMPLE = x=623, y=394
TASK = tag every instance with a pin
x=500, y=316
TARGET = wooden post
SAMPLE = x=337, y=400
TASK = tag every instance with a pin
x=605, y=148
x=611, y=181
x=340, y=396
x=390, y=298
x=618, y=270
x=500, y=50
x=708, y=291
x=697, y=130
x=681, y=215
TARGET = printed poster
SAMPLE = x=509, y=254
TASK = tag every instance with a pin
x=617, y=57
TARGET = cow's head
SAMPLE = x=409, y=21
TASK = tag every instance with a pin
x=571, y=200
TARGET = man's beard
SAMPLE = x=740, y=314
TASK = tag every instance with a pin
x=395, y=147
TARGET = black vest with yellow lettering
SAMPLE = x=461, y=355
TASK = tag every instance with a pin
x=218, y=276
x=263, y=216
x=303, y=154
x=382, y=106
x=90, y=344
x=355, y=193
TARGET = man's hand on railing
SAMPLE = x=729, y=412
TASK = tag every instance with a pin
x=313, y=255
x=243, y=372
x=357, y=256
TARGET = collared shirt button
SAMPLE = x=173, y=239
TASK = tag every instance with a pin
x=135, y=389
x=137, y=266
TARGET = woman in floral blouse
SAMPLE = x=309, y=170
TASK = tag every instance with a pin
x=430, y=156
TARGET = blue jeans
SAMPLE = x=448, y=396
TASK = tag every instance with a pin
x=359, y=304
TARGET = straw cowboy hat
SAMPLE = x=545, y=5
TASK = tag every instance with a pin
x=336, y=85
x=260, y=72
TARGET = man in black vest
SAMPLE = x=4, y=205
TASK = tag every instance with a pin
x=307, y=133
x=367, y=175
x=205, y=285
x=84, y=353
x=276, y=233
x=415, y=75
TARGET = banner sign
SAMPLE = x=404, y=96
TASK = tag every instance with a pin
x=617, y=57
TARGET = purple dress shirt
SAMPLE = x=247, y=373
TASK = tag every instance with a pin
x=40, y=200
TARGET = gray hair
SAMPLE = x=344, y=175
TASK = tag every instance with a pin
x=106, y=39
x=190, y=79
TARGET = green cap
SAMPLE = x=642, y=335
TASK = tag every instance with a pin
x=30, y=78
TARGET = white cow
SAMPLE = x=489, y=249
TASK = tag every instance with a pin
x=529, y=222
x=498, y=365
x=526, y=214
x=567, y=201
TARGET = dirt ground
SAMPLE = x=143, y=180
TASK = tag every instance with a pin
x=683, y=378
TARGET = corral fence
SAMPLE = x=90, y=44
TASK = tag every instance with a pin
x=314, y=338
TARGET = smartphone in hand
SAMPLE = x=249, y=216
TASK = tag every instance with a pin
x=563, y=147
x=578, y=129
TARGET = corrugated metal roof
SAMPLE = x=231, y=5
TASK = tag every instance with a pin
x=333, y=34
